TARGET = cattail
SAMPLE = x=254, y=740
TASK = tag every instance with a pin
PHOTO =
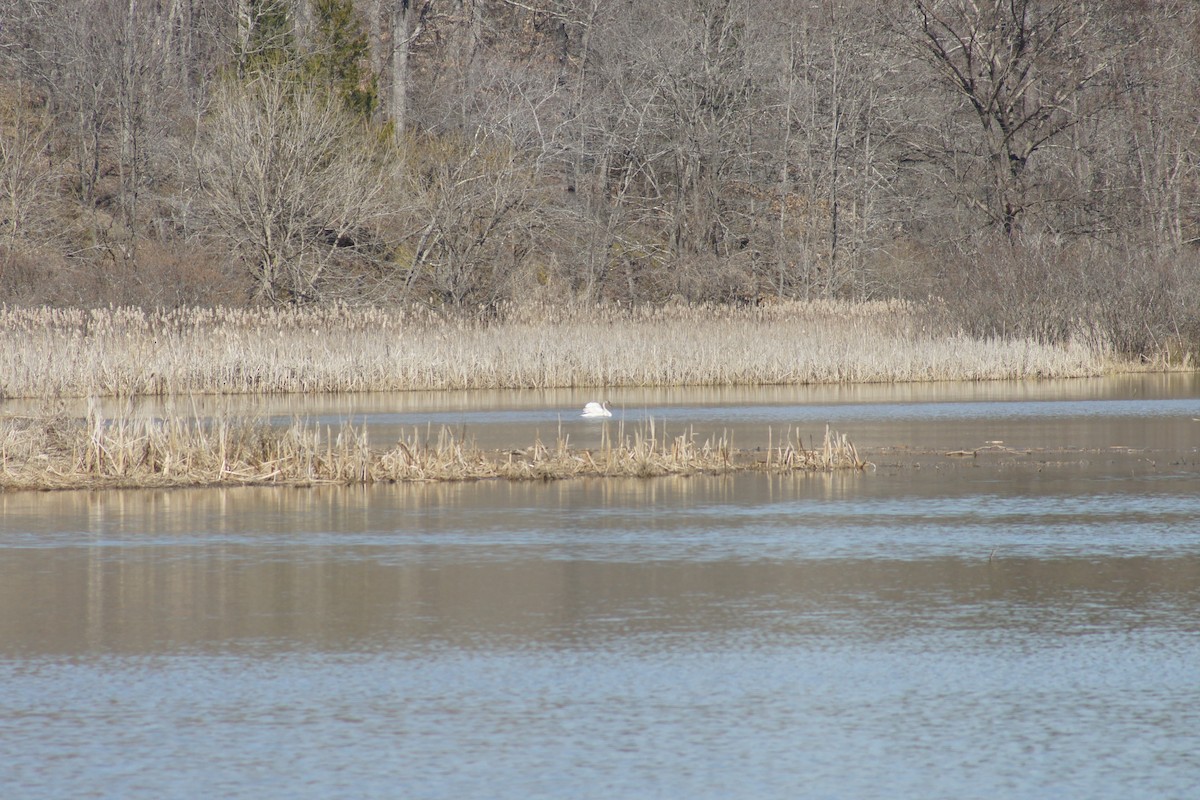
x=126, y=352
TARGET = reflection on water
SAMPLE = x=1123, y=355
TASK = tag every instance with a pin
x=1014, y=627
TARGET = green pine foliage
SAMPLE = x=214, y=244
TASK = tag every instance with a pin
x=333, y=59
x=339, y=52
x=266, y=41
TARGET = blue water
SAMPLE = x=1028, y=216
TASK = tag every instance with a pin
x=1027, y=627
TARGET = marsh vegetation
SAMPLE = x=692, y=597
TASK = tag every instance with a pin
x=53, y=451
x=130, y=352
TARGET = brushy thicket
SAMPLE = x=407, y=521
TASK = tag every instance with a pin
x=1144, y=305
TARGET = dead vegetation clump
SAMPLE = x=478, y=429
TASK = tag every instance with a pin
x=55, y=452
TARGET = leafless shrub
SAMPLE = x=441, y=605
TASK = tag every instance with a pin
x=1054, y=292
x=473, y=209
x=290, y=182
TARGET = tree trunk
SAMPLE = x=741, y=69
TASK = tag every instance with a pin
x=401, y=39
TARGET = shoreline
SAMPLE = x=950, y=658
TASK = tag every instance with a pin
x=495, y=467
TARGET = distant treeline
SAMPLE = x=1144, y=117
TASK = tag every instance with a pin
x=1033, y=165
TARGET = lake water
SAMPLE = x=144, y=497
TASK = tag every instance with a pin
x=1024, y=623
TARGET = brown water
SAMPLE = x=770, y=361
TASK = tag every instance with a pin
x=1016, y=625
x=1081, y=413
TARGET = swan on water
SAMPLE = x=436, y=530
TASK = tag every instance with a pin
x=597, y=410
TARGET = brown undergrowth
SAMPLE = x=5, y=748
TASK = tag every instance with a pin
x=56, y=452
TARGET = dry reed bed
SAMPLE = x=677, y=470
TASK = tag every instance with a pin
x=127, y=352
x=54, y=452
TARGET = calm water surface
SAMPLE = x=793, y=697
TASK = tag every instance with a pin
x=1024, y=626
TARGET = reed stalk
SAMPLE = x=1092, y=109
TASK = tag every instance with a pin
x=55, y=452
x=126, y=352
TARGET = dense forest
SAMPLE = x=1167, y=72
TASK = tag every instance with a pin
x=1025, y=167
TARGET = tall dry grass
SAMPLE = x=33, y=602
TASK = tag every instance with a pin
x=54, y=451
x=46, y=352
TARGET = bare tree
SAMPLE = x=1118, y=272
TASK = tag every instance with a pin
x=1152, y=136
x=659, y=136
x=27, y=179
x=825, y=150
x=407, y=24
x=290, y=181
x=108, y=73
x=1030, y=71
x=476, y=210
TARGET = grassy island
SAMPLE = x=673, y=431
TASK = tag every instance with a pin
x=56, y=452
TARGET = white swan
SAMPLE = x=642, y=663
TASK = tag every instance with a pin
x=597, y=410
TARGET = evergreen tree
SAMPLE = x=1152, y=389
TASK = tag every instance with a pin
x=264, y=36
x=340, y=49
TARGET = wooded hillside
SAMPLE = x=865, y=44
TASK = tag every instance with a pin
x=1032, y=165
